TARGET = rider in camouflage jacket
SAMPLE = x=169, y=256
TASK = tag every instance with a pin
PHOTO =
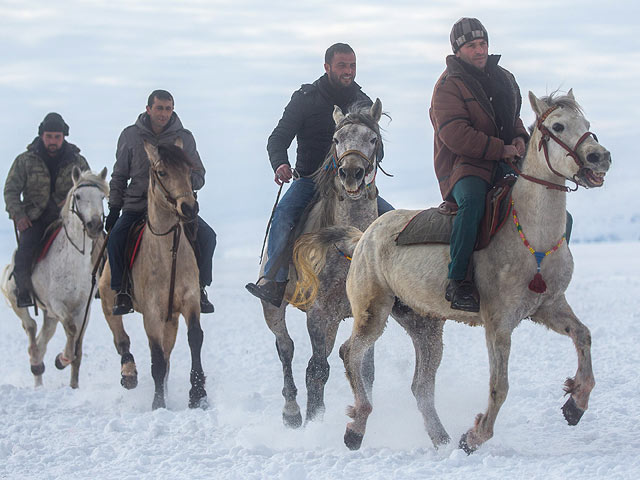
x=35, y=190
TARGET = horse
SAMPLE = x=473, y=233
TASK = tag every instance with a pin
x=345, y=195
x=164, y=286
x=561, y=149
x=62, y=279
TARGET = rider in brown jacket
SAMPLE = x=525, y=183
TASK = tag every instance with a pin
x=475, y=112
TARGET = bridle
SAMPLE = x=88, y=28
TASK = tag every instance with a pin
x=75, y=211
x=547, y=135
x=167, y=195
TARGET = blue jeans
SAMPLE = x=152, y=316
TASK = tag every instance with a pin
x=285, y=218
x=204, y=248
x=469, y=193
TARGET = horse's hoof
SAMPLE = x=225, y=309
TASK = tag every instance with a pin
x=158, y=402
x=59, y=364
x=464, y=445
x=572, y=413
x=129, y=382
x=202, y=403
x=292, y=421
x=37, y=369
x=352, y=439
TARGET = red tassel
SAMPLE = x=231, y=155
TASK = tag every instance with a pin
x=537, y=284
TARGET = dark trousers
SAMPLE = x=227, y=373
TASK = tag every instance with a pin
x=205, y=245
x=29, y=242
x=285, y=218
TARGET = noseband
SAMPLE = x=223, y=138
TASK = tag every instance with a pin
x=543, y=145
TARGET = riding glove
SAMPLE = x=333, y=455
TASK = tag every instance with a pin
x=114, y=213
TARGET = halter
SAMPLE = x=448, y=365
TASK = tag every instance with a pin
x=543, y=145
x=74, y=210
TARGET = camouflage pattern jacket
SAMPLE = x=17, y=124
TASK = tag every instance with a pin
x=29, y=176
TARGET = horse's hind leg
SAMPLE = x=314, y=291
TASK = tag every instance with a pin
x=426, y=335
x=197, y=394
x=560, y=318
x=284, y=345
x=369, y=322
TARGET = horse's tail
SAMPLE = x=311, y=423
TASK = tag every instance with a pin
x=309, y=256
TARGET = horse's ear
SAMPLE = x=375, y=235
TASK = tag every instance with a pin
x=376, y=110
x=152, y=152
x=338, y=116
x=570, y=94
x=103, y=173
x=75, y=174
x=179, y=143
x=538, y=106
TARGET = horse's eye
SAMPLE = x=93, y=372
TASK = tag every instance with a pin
x=336, y=141
x=161, y=173
x=558, y=127
x=373, y=140
x=78, y=198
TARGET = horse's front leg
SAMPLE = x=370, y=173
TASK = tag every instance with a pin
x=69, y=354
x=560, y=318
x=47, y=330
x=426, y=335
x=369, y=321
x=317, y=372
x=275, y=318
x=128, y=370
x=498, y=337
x=197, y=394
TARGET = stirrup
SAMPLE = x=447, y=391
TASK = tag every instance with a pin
x=122, y=304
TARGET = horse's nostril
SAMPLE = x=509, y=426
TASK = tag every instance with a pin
x=359, y=173
x=342, y=173
x=593, y=158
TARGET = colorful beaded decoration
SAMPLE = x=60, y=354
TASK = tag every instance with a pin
x=537, y=284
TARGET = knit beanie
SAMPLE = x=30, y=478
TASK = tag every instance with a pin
x=465, y=30
x=53, y=122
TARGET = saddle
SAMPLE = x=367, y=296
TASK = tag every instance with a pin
x=434, y=225
x=50, y=234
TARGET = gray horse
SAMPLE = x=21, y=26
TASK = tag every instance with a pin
x=345, y=195
x=62, y=279
x=514, y=280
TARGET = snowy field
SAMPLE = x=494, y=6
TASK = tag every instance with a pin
x=102, y=431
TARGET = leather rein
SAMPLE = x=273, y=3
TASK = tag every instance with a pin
x=543, y=145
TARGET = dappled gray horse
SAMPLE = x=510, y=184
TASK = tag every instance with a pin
x=524, y=272
x=345, y=195
x=62, y=279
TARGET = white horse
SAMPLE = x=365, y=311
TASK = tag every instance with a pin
x=62, y=279
x=514, y=280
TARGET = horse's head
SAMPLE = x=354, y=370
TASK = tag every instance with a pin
x=571, y=150
x=170, y=179
x=356, y=145
x=85, y=199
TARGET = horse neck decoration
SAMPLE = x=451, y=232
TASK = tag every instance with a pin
x=62, y=279
x=345, y=195
x=561, y=150
x=165, y=276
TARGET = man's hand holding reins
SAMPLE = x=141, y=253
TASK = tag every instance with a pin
x=283, y=174
x=23, y=223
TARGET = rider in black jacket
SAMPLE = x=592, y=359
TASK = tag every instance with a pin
x=309, y=117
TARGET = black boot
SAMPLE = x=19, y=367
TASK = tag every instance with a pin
x=205, y=305
x=23, y=298
x=463, y=295
x=122, y=304
x=269, y=291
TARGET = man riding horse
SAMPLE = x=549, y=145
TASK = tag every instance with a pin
x=34, y=192
x=309, y=118
x=158, y=125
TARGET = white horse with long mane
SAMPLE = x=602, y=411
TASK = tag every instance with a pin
x=62, y=279
x=515, y=281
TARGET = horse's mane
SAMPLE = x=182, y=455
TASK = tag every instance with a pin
x=562, y=101
x=87, y=177
x=172, y=155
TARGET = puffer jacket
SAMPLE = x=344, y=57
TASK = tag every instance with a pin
x=309, y=116
x=29, y=176
x=467, y=141
x=132, y=163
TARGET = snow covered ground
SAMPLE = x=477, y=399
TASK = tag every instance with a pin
x=102, y=431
